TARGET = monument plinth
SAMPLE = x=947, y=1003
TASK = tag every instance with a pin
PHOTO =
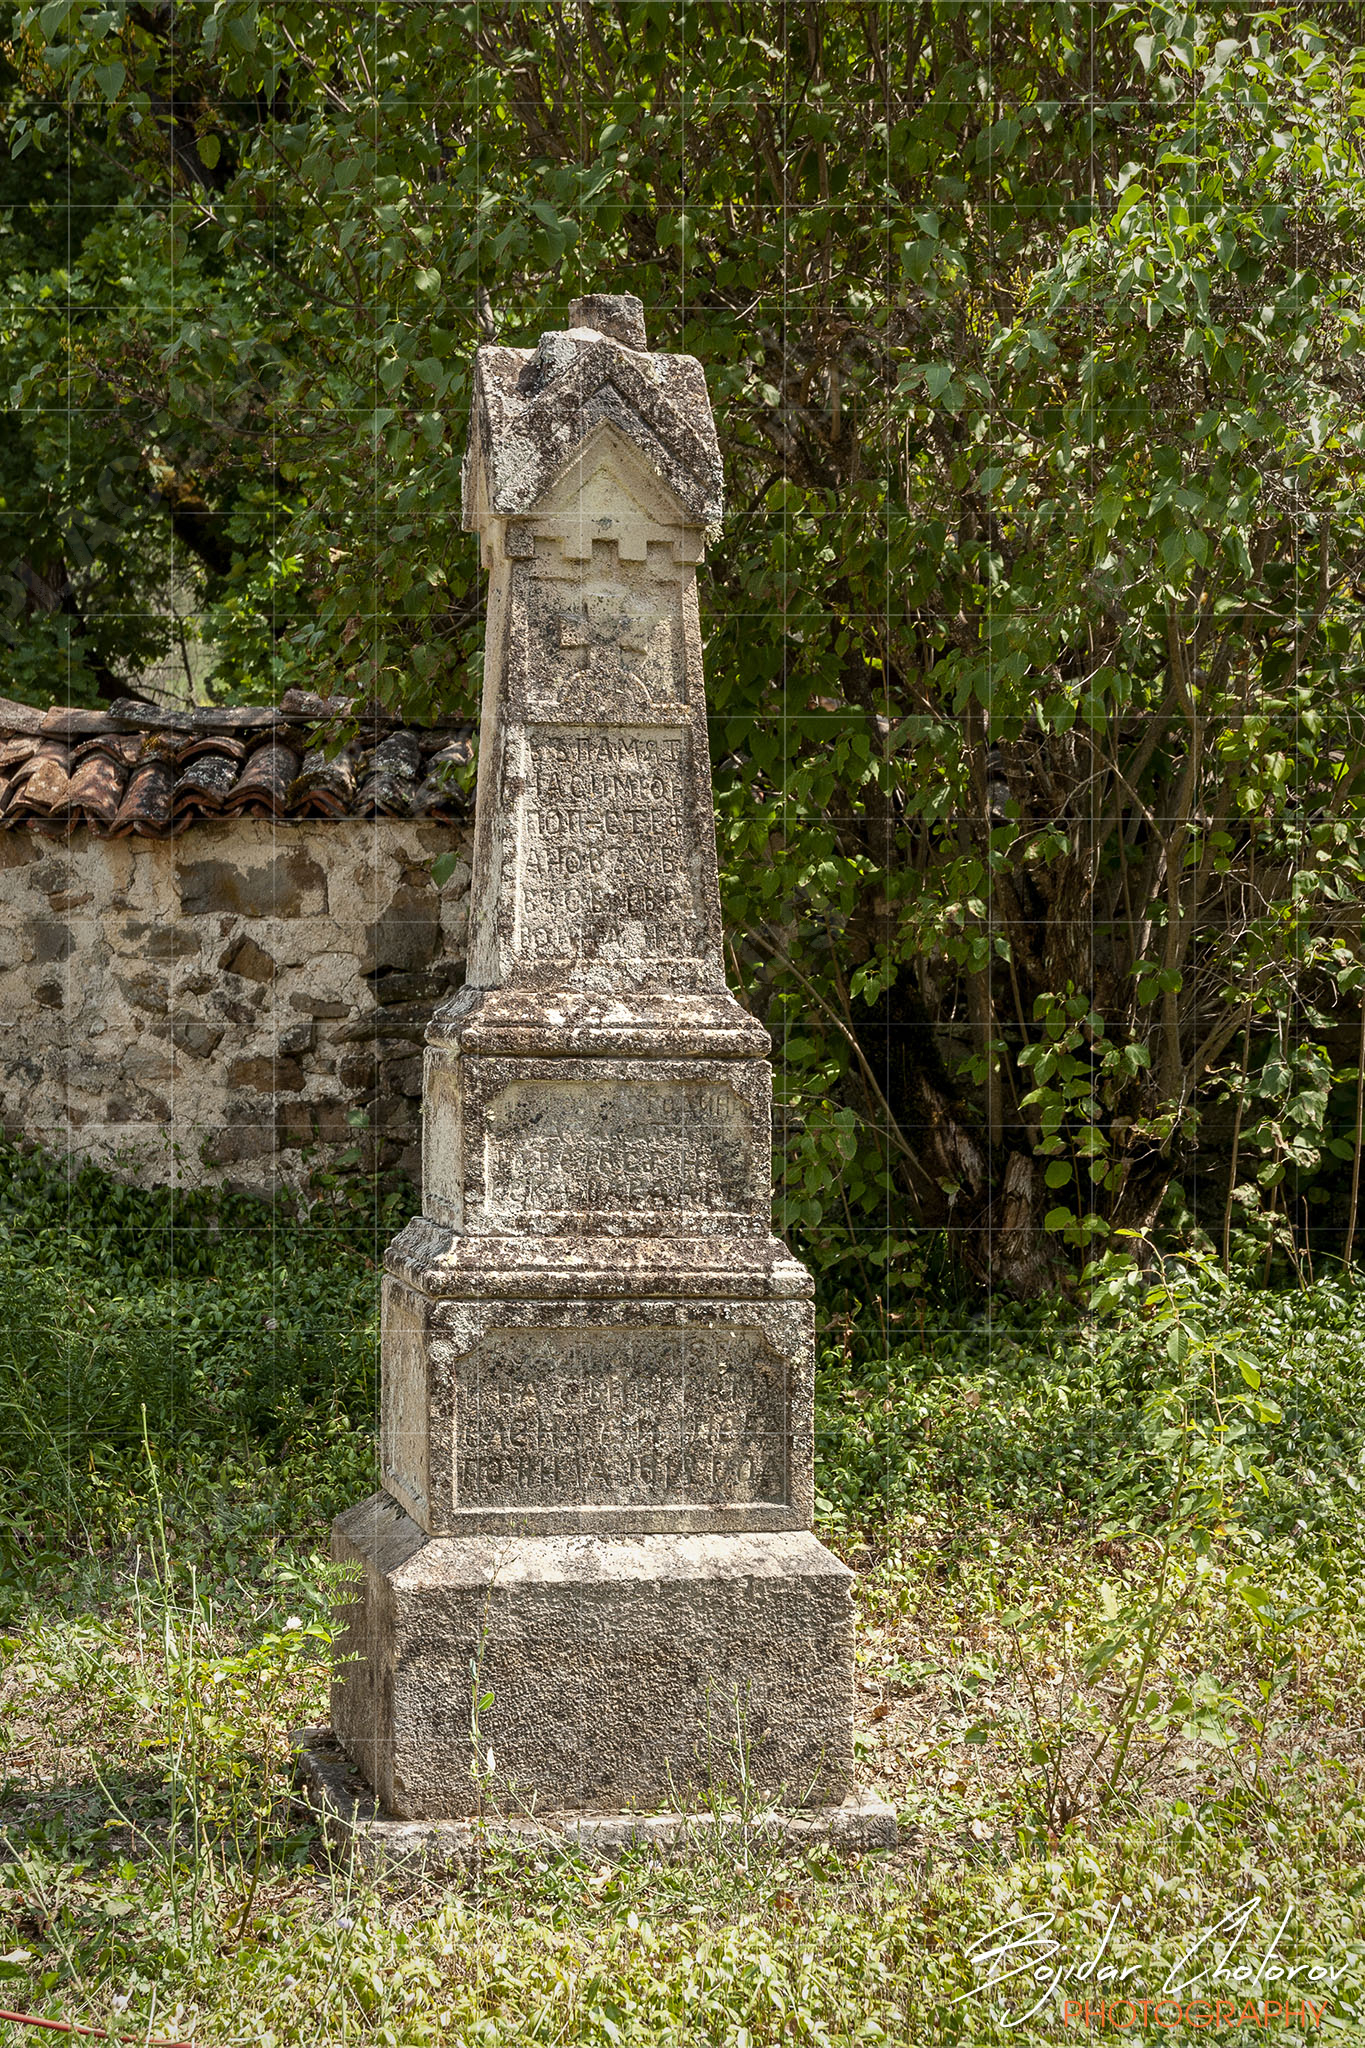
x=597, y=1360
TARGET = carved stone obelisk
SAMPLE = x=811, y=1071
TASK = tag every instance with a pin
x=597, y=1360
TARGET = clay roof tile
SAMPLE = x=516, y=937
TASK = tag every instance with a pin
x=262, y=788
x=40, y=788
x=153, y=772
x=123, y=747
x=14, y=752
x=440, y=796
x=97, y=786
x=214, y=743
x=146, y=806
x=323, y=788
x=205, y=782
x=389, y=780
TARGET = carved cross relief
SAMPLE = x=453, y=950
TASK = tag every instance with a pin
x=598, y=632
x=610, y=560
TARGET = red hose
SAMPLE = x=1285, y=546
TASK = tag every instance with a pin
x=27, y=2019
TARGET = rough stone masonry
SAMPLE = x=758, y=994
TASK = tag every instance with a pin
x=596, y=1438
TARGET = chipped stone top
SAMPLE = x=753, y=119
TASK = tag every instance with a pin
x=534, y=409
x=138, y=770
x=592, y=473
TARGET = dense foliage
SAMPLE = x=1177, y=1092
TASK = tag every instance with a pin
x=1034, y=334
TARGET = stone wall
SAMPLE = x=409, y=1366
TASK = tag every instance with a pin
x=244, y=1004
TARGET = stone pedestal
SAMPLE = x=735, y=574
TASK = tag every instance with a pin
x=597, y=1361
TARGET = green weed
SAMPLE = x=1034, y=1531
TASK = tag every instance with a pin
x=1108, y=1612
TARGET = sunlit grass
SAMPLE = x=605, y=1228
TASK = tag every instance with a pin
x=166, y=1632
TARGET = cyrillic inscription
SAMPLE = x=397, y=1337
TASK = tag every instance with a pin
x=605, y=872
x=617, y=1418
x=584, y=1147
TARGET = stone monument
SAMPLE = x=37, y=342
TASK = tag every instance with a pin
x=597, y=1360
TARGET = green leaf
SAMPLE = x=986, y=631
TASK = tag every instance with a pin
x=109, y=78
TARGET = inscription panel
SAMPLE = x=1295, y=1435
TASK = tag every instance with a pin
x=571, y=1148
x=606, y=859
x=621, y=1418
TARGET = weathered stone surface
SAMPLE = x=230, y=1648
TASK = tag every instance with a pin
x=405, y=935
x=266, y=1073
x=52, y=941
x=594, y=849
x=629, y=1023
x=624, y=1670
x=175, y=943
x=357, y=1829
x=246, y=958
x=200, y=1040
x=596, y=1434
x=619, y=315
x=220, y=989
x=289, y=884
x=577, y=393
x=597, y=1414
x=460, y=1264
x=547, y=1146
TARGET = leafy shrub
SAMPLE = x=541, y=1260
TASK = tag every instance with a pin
x=1058, y=1416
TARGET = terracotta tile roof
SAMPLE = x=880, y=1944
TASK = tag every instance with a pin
x=136, y=769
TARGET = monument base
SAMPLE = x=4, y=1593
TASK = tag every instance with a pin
x=354, y=1824
x=625, y=1672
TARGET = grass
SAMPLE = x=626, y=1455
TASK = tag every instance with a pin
x=1110, y=1665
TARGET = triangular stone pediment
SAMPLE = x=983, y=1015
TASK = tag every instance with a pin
x=603, y=469
x=608, y=491
x=533, y=410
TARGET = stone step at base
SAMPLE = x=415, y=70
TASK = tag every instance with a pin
x=354, y=1825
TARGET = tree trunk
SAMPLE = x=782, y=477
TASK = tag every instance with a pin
x=994, y=1197
x=1021, y=1257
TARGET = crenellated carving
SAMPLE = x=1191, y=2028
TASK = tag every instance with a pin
x=591, y=1336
